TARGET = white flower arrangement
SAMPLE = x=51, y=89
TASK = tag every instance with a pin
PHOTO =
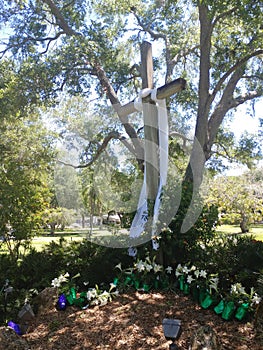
x=238, y=293
x=191, y=274
x=97, y=297
x=144, y=274
x=57, y=282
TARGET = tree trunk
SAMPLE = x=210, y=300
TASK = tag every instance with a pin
x=52, y=228
x=244, y=224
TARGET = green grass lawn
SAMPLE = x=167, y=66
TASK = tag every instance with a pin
x=255, y=230
x=98, y=235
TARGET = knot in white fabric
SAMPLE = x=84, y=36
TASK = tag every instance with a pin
x=142, y=94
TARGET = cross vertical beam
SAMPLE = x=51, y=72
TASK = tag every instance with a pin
x=150, y=116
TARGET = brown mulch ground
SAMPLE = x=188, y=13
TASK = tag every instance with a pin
x=131, y=321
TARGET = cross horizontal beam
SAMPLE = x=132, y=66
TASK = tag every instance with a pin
x=164, y=91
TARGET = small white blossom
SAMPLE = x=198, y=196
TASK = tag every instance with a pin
x=213, y=283
x=169, y=269
x=190, y=279
x=197, y=273
x=140, y=266
x=115, y=293
x=237, y=289
x=112, y=286
x=91, y=294
x=55, y=283
x=256, y=299
x=203, y=273
x=157, y=268
x=63, y=278
x=179, y=270
x=234, y=241
x=148, y=267
x=185, y=270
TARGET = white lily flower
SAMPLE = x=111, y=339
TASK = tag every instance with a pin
x=237, y=288
x=169, y=269
x=185, y=269
x=256, y=299
x=179, y=270
x=118, y=267
x=55, y=283
x=190, y=279
x=157, y=268
x=140, y=266
x=112, y=286
x=240, y=288
x=197, y=273
x=116, y=293
x=203, y=273
x=91, y=294
x=234, y=241
x=148, y=267
x=178, y=273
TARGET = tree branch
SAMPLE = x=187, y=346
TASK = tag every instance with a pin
x=224, y=105
x=101, y=148
x=111, y=94
x=244, y=98
x=230, y=71
x=60, y=19
x=223, y=15
x=146, y=28
x=224, y=155
x=172, y=63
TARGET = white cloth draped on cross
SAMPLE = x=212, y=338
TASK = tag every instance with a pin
x=141, y=216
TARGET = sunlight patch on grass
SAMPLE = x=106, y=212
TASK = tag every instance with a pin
x=256, y=231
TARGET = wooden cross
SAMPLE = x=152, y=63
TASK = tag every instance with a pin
x=150, y=116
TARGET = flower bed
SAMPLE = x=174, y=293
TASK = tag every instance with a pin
x=202, y=287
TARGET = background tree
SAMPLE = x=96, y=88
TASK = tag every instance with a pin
x=239, y=199
x=24, y=177
x=26, y=154
x=57, y=218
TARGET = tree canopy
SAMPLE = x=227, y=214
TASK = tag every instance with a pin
x=92, y=48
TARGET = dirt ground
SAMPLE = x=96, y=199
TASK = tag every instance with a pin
x=132, y=321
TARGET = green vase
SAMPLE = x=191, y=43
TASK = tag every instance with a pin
x=136, y=284
x=195, y=293
x=79, y=302
x=242, y=311
x=70, y=299
x=156, y=284
x=228, y=311
x=73, y=292
x=202, y=295
x=207, y=301
x=186, y=288
x=219, y=307
x=146, y=287
x=164, y=283
x=128, y=281
x=181, y=283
